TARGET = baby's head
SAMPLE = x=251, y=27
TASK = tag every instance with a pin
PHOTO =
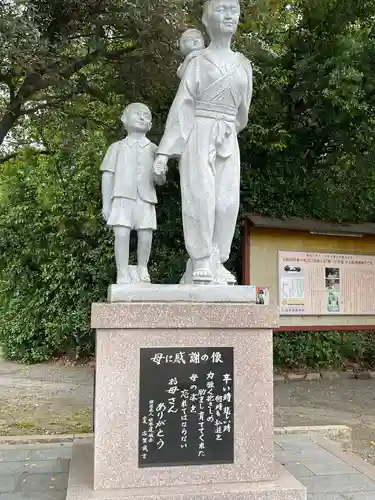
x=191, y=40
x=137, y=118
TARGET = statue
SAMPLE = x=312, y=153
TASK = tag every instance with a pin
x=129, y=194
x=210, y=108
x=191, y=42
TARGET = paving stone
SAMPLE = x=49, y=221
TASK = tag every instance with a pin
x=330, y=469
x=294, y=443
x=324, y=496
x=338, y=484
x=11, y=454
x=43, y=482
x=304, y=455
x=31, y=467
x=364, y=495
x=42, y=475
x=299, y=470
x=49, y=453
x=34, y=495
x=8, y=483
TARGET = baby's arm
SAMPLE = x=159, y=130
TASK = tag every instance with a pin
x=181, y=70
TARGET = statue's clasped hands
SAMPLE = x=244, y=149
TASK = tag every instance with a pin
x=160, y=165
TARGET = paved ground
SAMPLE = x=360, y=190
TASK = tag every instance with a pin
x=346, y=402
x=54, y=399
x=39, y=472
x=326, y=475
x=34, y=472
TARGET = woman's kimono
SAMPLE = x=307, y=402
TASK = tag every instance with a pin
x=210, y=108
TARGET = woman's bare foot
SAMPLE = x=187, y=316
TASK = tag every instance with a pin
x=202, y=276
x=201, y=271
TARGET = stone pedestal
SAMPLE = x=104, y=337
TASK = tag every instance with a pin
x=108, y=468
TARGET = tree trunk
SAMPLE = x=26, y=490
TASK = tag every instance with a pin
x=9, y=118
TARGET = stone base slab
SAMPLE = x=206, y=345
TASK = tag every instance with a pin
x=284, y=487
x=185, y=293
x=125, y=328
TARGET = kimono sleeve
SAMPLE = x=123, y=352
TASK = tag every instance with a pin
x=110, y=158
x=243, y=111
x=181, y=116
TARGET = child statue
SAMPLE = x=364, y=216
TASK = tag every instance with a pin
x=191, y=42
x=129, y=194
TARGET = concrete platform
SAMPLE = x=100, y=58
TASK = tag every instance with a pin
x=184, y=293
x=80, y=487
x=40, y=471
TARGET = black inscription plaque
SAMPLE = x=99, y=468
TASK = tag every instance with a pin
x=186, y=406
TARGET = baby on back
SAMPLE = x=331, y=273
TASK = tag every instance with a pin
x=191, y=43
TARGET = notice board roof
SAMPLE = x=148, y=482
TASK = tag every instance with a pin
x=313, y=226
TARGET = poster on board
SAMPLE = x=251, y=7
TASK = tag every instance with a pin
x=316, y=284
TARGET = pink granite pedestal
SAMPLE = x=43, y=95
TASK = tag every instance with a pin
x=108, y=468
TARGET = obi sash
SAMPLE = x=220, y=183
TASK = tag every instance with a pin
x=224, y=115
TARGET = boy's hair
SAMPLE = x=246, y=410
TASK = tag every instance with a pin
x=128, y=109
x=183, y=36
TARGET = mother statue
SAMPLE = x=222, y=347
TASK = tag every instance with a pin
x=210, y=108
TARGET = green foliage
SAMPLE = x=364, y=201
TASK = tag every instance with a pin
x=62, y=56
x=312, y=123
x=69, y=68
x=300, y=350
x=57, y=257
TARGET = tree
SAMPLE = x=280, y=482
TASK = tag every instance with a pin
x=56, y=55
x=309, y=149
x=312, y=134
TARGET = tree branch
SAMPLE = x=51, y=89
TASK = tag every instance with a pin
x=90, y=118
x=82, y=88
x=34, y=109
x=49, y=104
x=6, y=78
x=10, y=156
x=35, y=82
x=96, y=93
x=78, y=63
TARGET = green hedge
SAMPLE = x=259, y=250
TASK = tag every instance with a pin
x=300, y=350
